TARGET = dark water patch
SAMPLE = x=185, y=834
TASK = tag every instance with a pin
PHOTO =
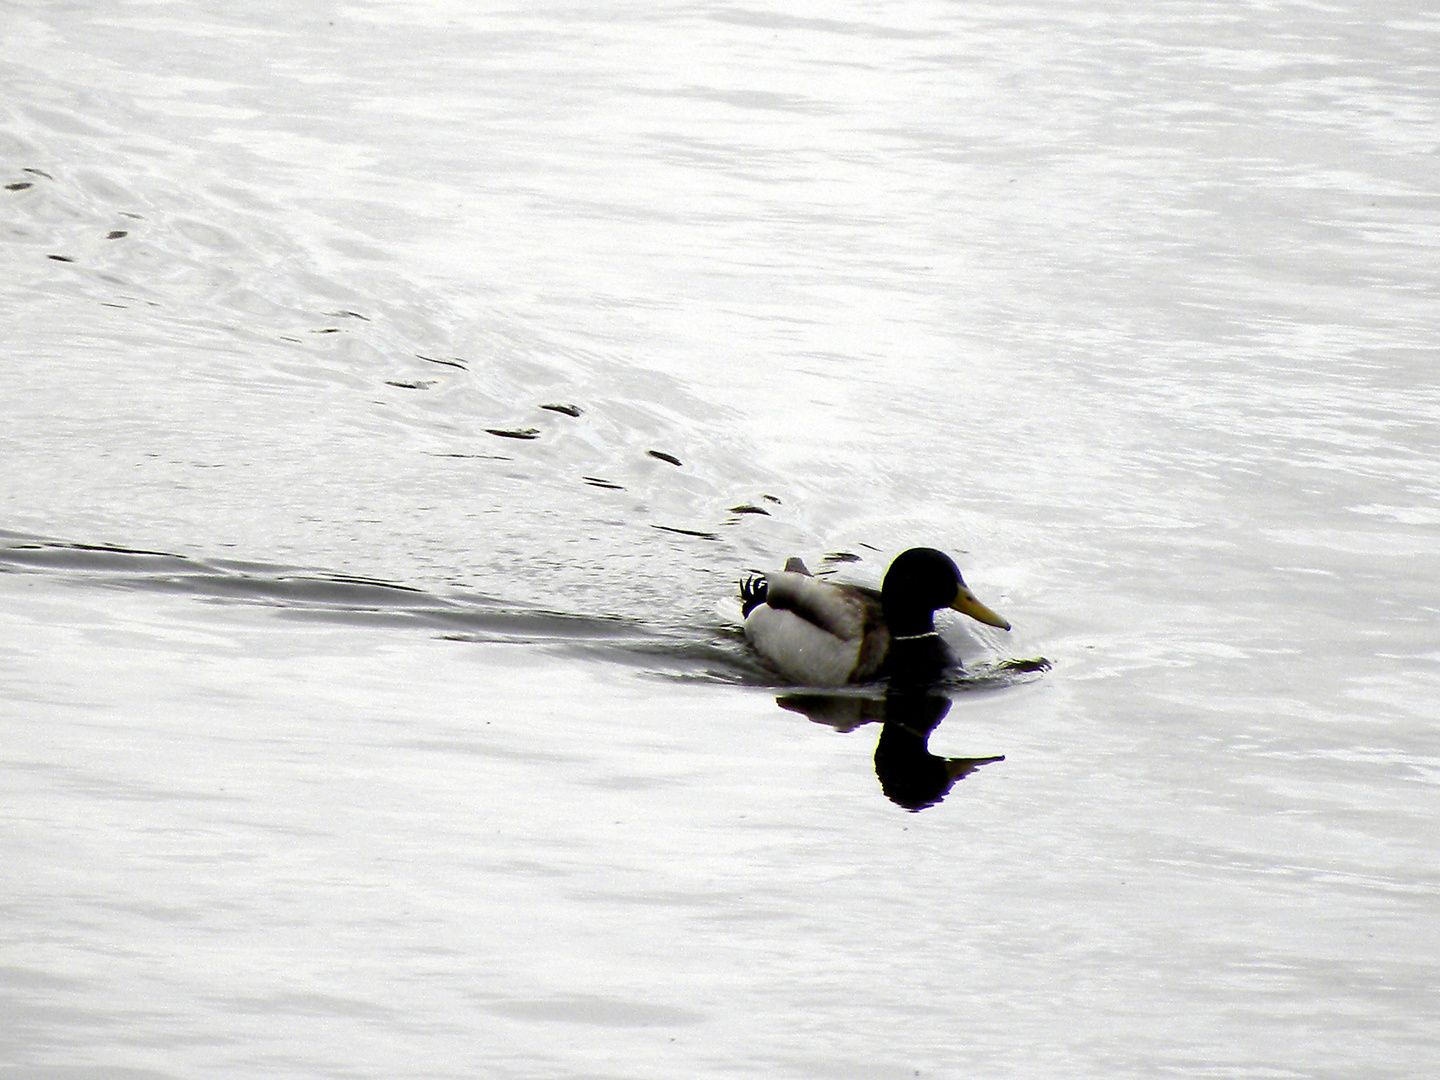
x=663, y=456
x=686, y=532
x=54, y=555
x=343, y=600
x=684, y=655
x=303, y=594
x=477, y=457
x=28, y=979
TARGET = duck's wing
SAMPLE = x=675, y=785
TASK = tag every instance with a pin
x=841, y=610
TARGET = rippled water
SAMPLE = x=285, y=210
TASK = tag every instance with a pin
x=392, y=394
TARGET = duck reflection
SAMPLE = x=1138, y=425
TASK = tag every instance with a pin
x=910, y=775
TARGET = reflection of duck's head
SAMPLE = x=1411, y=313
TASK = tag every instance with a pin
x=909, y=774
x=824, y=634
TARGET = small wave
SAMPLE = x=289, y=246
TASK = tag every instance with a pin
x=298, y=592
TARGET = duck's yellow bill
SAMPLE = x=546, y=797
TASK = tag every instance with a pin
x=966, y=603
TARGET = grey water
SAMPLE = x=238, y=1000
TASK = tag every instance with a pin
x=393, y=393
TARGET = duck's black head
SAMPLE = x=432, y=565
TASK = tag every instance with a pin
x=920, y=582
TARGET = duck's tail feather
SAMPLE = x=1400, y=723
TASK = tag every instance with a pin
x=754, y=591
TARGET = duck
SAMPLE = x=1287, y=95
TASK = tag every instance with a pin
x=821, y=633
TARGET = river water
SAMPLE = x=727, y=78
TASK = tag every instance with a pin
x=392, y=394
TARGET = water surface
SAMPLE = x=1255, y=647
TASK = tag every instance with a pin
x=392, y=395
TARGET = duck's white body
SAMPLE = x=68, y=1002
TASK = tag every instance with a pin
x=817, y=633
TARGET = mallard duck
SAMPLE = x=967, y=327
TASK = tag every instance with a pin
x=818, y=633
